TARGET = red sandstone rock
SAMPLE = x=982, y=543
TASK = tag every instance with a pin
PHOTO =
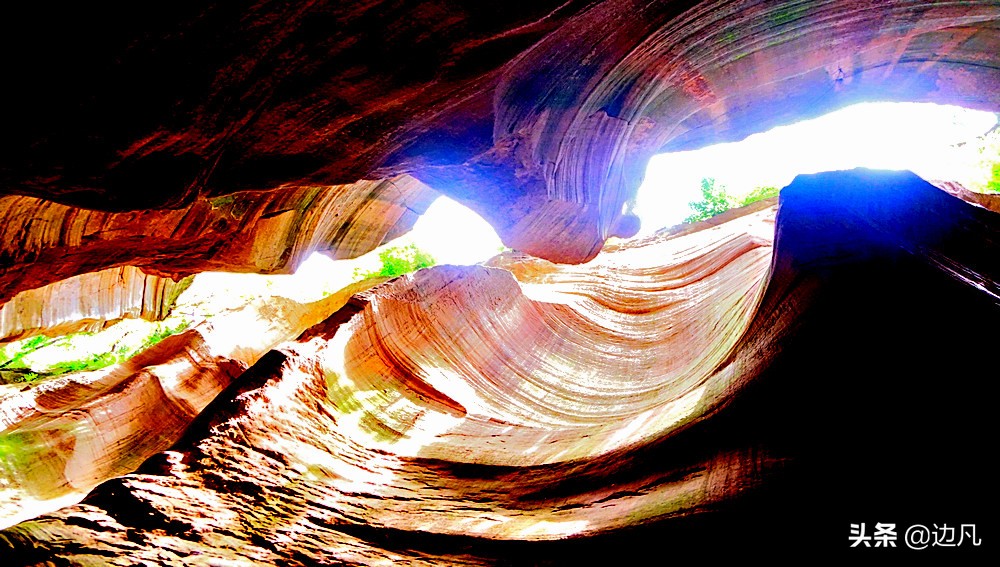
x=540, y=116
x=87, y=302
x=65, y=436
x=44, y=242
x=699, y=399
x=462, y=402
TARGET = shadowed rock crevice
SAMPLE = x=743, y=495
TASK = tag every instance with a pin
x=803, y=416
x=795, y=368
x=539, y=117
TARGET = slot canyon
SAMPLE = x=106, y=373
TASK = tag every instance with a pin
x=749, y=385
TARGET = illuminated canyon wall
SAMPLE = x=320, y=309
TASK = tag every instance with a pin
x=794, y=367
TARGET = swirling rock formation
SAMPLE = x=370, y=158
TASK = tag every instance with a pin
x=398, y=416
x=696, y=391
x=67, y=435
x=539, y=116
x=44, y=242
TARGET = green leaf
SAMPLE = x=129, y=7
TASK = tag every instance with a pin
x=399, y=260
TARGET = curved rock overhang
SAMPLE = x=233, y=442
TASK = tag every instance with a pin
x=685, y=389
x=540, y=116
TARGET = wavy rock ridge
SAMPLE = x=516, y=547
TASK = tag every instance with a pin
x=331, y=439
x=805, y=373
x=369, y=429
x=65, y=436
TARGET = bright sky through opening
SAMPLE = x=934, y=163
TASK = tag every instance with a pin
x=919, y=137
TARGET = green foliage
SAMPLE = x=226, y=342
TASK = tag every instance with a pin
x=222, y=201
x=398, y=260
x=12, y=447
x=714, y=200
x=27, y=377
x=92, y=362
x=17, y=377
x=759, y=193
x=993, y=184
x=103, y=360
x=988, y=148
x=14, y=362
x=237, y=207
x=25, y=348
x=161, y=333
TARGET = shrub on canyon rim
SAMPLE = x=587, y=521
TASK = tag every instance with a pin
x=398, y=260
x=715, y=199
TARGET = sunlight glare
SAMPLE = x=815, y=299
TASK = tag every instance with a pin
x=454, y=234
x=922, y=137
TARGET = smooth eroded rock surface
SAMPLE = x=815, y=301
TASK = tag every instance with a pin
x=575, y=402
x=88, y=302
x=44, y=242
x=61, y=438
x=422, y=422
x=541, y=116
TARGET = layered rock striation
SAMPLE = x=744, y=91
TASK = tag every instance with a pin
x=266, y=232
x=540, y=116
x=88, y=302
x=66, y=435
x=568, y=403
x=451, y=434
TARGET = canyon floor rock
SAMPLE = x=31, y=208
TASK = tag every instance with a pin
x=755, y=383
